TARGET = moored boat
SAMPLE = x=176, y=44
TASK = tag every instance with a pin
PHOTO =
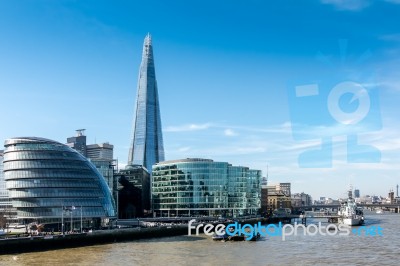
x=349, y=213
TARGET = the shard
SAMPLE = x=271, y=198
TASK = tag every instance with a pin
x=147, y=142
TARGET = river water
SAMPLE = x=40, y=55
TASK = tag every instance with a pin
x=201, y=250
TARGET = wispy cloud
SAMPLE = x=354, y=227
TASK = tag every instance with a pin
x=229, y=132
x=391, y=37
x=349, y=5
x=393, y=1
x=184, y=149
x=188, y=127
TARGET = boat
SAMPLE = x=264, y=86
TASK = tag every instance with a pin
x=254, y=238
x=217, y=237
x=380, y=211
x=349, y=213
x=236, y=238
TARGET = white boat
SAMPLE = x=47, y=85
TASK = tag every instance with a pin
x=349, y=213
x=380, y=211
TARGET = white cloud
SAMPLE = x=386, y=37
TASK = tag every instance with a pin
x=188, y=127
x=391, y=37
x=393, y=1
x=350, y=5
x=229, y=132
x=184, y=149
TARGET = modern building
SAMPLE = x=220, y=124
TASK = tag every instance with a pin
x=196, y=187
x=133, y=192
x=7, y=212
x=264, y=196
x=146, y=146
x=103, y=151
x=100, y=155
x=356, y=193
x=44, y=178
x=78, y=142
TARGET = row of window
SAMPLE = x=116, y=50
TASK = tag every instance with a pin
x=36, y=146
x=45, y=164
x=50, y=173
x=52, y=202
x=51, y=183
x=199, y=206
x=56, y=193
x=12, y=156
x=51, y=212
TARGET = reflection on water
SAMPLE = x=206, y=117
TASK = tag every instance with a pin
x=201, y=250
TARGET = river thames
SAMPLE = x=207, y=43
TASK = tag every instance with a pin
x=201, y=250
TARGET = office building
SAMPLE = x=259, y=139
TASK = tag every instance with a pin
x=146, y=146
x=100, y=155
x=264, y=196
x=301, y=199
x=44, y=177
x=103, y=151
x=356, y=193
x=78, y=142
x=133, y=192
x=195, y=187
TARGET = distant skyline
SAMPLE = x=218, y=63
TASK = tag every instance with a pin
x=225, y=74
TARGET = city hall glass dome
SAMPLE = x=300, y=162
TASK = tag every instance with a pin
x=45, y=177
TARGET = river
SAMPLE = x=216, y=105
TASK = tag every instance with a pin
x=201, y=250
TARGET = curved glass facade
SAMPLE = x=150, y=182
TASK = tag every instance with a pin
x=191, y=187
x=43, y=177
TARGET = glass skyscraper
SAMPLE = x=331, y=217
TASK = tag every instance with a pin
x=147, y=143
x=193, y=187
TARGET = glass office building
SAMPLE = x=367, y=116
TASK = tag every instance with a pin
x=44, y=177
x=195, y=187
x=147, y=142
x=5, y=203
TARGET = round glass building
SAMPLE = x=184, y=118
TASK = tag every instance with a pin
x=45, y=178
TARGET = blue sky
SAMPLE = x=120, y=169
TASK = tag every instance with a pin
x=226, y=71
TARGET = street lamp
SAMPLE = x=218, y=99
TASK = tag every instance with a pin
x=81, y=220
x=72, y=225
x=62, y=220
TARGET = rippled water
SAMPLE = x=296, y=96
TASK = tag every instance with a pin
x=201, y=250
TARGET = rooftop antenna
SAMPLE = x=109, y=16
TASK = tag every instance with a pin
x=80, y=132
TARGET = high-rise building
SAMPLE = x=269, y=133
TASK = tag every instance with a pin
x=78, y=142
x=356, y=193
x=44, y=177
x=100, y=151
x=147, y=142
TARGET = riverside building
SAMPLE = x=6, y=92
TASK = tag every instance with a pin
x=196, y=187
x=45, y=177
